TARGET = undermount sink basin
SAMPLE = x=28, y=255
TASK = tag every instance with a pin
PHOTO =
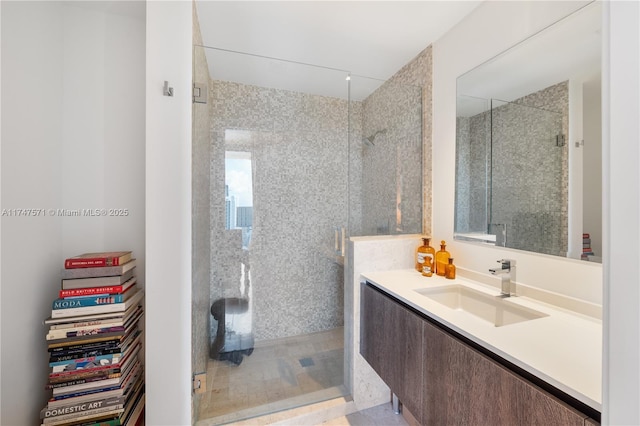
x=493, y=309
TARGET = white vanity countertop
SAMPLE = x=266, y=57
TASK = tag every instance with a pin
x=564, y=348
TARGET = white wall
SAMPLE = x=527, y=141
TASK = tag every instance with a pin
x=168, y=221
x=461, y=49
x=31, y=170
x=621, y=188
x=72, y=137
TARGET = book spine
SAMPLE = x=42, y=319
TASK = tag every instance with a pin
x=103, y=344
x=81, y=361
x=67, y=342
x=98, y=309
x=83, y=371
x=125, y=280
x=83, y=354
x=79, y=375
x=86, y=310
x=85, y=415
x=112, y=389
x=87, y=326
x=91, y=379
x=110, y=422
x=107, y=271
x=110, y=322
x=87, y=301
x=90, y=291
x=83, y=332
x=92, y=262
x=85, y=263
x=100, y=384
x=81, y=407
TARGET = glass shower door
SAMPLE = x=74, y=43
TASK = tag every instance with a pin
x=275, y=138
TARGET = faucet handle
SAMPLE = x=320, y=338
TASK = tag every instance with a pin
x=507, y=263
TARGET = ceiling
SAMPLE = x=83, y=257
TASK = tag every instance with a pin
x=365, y=38
x=568, y=49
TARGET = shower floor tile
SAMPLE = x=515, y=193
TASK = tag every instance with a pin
x=273, y=377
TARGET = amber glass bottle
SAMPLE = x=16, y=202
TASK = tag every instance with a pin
x=425, y=255
x=442, y=258
x=450, y=269
x=419, y=256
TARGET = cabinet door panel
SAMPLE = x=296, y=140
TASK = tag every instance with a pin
x=391, y=342
x=465, y=387
x=376, y=321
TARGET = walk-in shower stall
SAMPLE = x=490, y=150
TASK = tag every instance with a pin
x=289, y=159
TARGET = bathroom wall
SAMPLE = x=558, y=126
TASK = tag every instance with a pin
x=392, y=166
x=73, y=90
x=299, y=150
x=167, y=196
x=201, y=216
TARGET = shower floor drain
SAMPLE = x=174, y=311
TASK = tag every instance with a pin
x=306, y=362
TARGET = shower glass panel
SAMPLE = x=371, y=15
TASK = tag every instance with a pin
x=527, y=161
x=275, y=141
x=385, y=174
x=473, y=160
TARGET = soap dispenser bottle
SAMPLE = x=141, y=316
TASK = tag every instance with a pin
x=450, y=270
x=442, y=258
x=425, y=255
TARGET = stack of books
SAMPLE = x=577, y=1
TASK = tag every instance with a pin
x=94, y=343
x=586, y=247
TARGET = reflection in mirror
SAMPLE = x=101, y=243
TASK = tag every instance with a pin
x=528, y=143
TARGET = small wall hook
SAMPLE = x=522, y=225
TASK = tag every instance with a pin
x=167, y=91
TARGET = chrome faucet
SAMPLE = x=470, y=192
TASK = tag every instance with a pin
x=507, y=272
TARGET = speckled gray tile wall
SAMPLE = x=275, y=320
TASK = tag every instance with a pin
x=394, y=180
x=472, y=151
x=419, y=72
x=299, y=151
x=529, y=172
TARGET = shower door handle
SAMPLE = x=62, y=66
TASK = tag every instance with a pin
x=337, y=240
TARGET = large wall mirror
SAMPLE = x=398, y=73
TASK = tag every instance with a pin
x=528, y=143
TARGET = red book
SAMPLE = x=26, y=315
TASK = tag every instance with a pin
x=96, y=260
x=90, y=291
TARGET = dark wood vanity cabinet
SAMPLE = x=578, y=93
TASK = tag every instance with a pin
x=466, y=387
x=391, y=342
x=442, y=380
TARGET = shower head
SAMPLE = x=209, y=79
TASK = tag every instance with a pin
x=368, y=141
